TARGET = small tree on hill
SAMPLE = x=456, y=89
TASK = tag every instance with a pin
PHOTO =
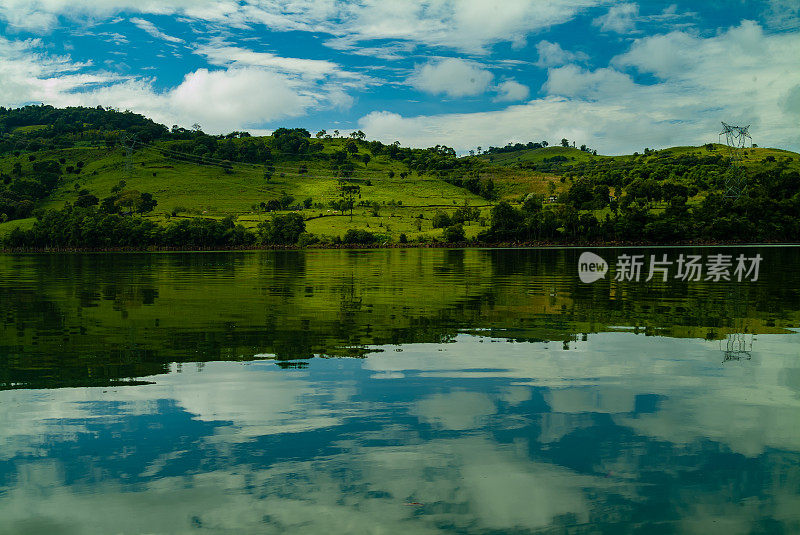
x=348, y=192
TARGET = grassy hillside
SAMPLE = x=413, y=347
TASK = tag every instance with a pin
x=192, y=189
x=51, y=157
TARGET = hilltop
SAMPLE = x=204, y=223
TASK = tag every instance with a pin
x=123, y=163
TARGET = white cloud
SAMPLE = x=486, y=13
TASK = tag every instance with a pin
x=28, y=75
x=621, y=18
x=467, y=25
x=151, y=29
x=739, y=75
x=783, y=14
x=251, y=89
x=547, y=118
x=43, y=15
x=574, y=82
x=552, y=55
x=328, y=77
x=662, y=55
x=222, y=54
x=454, y=77
x=239, y=96
x=510, y=90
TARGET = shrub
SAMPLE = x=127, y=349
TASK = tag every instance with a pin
x=306, y=239
x=281, y=229
x=454, y=234
x=353, y=236
x=441, y=220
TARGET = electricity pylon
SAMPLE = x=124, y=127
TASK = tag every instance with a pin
x=735, y=138
x=129, y=142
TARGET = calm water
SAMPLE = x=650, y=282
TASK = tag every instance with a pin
x=401, y=391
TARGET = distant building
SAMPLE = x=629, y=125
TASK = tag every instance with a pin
x=552, y=198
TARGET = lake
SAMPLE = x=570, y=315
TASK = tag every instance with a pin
x=398, y=391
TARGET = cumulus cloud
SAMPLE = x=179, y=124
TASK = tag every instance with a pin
x=248, y=90
x=511, y=90
x=739, y=75
x=662, y=55
x=453, y=77
x=551, y=55
x=601, y=84
x=620, y=18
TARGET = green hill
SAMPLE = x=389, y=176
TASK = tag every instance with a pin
x=53, y=158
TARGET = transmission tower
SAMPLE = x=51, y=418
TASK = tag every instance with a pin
x=129, y=142
x=735, y=139
x=739, y=341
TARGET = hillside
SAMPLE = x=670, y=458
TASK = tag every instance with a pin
x=123, y=163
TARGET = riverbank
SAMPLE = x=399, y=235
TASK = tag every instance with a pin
x=423, y=245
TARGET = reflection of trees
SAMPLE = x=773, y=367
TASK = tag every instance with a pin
x=131, y=315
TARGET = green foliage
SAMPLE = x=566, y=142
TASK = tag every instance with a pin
x=86, y=200
x=50, y=158
x=358, y=236
x=281, y=229
x=440, y=219
x=454, y=233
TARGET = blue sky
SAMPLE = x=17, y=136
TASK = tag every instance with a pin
x=618, y=76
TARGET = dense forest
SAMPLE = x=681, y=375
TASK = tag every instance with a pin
x=64, y=172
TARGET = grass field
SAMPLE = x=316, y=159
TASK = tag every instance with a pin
x=396, y=205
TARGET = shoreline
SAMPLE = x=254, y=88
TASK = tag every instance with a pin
x=434, y=245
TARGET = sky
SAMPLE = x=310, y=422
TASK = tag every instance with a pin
x=617, y=76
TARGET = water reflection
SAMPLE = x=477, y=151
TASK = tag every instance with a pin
x=622, y=432
x=83, y=320
x=492, y=392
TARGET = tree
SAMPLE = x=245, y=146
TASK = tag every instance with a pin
x=532, y=204
x=440, y=219
x=454, y=233
x=564, y=142
x=507, y=223
x=146, y=203
x=87, y=200
x=281, y=229
x=348, y=192
x=366, y=158
x=359, y=236
x=351, y=147
x=321, y=134
x=128, y=199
